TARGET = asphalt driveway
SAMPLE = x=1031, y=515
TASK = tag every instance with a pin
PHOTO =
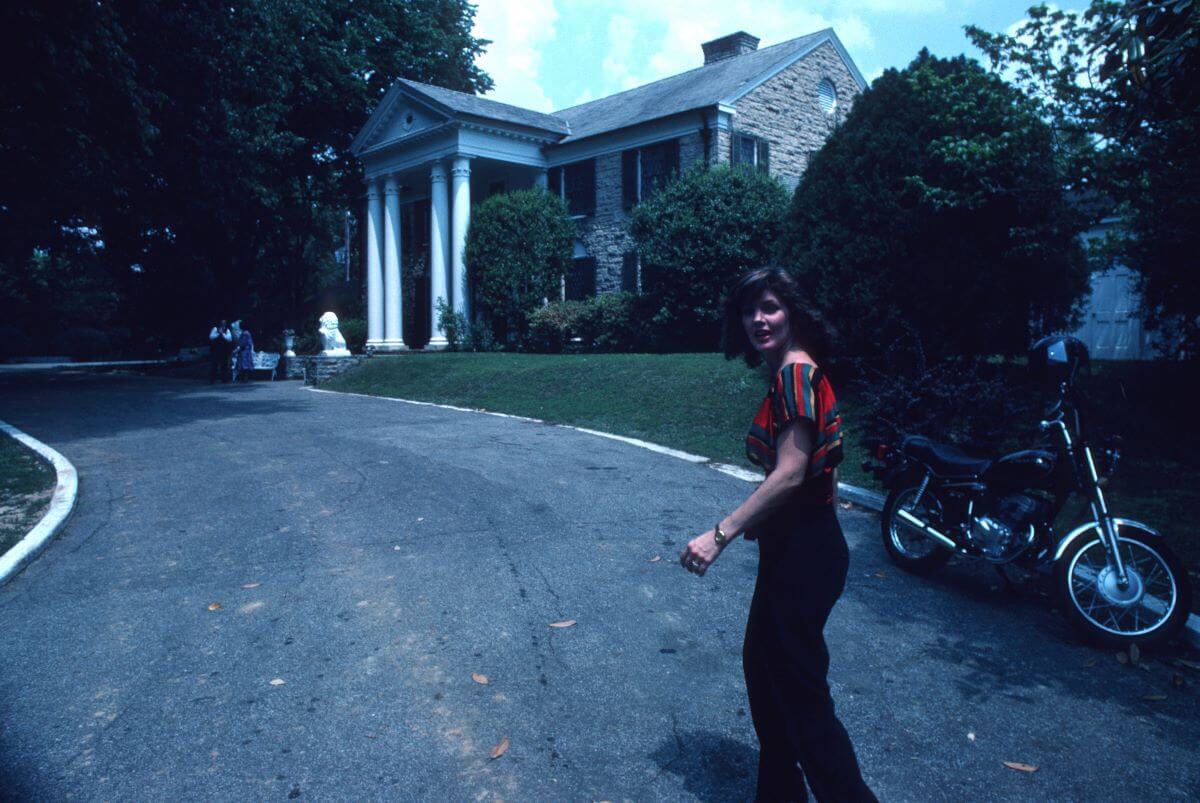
x=367, y=556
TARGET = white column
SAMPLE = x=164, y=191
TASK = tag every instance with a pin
x=460, y=174
x=374, y=236
x=393, y=329
x=541, y=179
x=439, y=236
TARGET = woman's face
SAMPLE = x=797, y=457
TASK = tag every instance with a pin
x=766, y=323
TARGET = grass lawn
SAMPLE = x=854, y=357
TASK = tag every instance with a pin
x=703, y=404
x=26, y=485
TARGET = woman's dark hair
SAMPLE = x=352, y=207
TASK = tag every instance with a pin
x=808, y=328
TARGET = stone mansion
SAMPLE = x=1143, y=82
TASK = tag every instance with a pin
x=429, y=153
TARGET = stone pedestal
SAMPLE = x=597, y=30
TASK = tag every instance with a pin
x=319, y=368
x=292, y=367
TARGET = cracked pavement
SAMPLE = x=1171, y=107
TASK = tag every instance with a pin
x=372, y=555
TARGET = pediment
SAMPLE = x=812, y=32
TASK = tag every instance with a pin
x=397, y=118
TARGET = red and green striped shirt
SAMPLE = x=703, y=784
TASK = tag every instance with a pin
x=800, y=391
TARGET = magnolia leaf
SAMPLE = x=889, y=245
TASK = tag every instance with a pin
x=278, y=682
x=1017, y=765
x=251, y=585
x=880, y=574
x=1135, y=653
x=563, y=623
x=656, y=559
x=500, y=749
x=216, y=606
x=480, y=679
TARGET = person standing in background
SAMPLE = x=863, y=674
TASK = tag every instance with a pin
x=220, y=344
x=245, y=355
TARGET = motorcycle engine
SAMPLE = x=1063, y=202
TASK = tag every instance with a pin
x=1007, y=527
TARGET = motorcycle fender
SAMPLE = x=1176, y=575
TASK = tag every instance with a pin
x=1083, y=529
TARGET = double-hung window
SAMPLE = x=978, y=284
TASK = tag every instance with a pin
x=575, y=183
x=751, y=151
x=647, y=169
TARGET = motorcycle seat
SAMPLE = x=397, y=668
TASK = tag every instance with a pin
x=943, y=458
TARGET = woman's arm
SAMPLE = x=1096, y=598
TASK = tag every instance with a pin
x=795, y=445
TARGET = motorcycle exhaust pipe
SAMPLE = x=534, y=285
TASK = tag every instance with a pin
x=942, y=539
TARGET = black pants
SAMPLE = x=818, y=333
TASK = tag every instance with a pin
x=801, y=573
x=219, y=364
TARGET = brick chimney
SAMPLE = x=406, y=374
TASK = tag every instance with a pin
x=735, y=44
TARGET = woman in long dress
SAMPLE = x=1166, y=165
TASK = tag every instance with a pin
x=796, y=438
x=245, y=355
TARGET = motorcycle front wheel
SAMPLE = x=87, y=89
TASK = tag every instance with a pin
x=1149, y=609
x=908, y=547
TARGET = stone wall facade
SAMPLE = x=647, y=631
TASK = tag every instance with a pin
x=319, y=368
x=785, y=111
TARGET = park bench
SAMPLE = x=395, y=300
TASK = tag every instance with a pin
x=263, y=361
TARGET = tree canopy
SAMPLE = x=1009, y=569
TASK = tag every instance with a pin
x=187, y=161
x=695, y=236
x=1120, y=85
x=937, y=211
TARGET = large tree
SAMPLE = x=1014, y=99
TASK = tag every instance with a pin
x=937, y=211
x=1120, y=84
x=194, y=156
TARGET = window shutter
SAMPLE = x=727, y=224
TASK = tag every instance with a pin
x=764, y=156
x=587, y=181
x=629, y=178
x=734, y=150
x=629, y=265
x=673, y=157
x=554, y=181
x=581, y=281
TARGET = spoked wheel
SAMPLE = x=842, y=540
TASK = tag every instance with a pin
x=908, y=547
x=1150, y=608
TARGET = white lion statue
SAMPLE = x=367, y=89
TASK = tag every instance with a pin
x=332, y=342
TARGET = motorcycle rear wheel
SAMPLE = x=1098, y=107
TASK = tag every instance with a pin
x=909, y=548
x=1150, y=610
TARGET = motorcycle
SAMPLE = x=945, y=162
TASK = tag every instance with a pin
x=1116, y=579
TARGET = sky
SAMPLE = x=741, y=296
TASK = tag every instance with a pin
x=552, y=54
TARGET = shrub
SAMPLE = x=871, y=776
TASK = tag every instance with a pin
x=518, y=248
x=14, y=342
x=462, y=335
x=552, y=327
x=610, y=322
x=84, y=343
x=966, y=401
x=355, y=332
x=695, y=236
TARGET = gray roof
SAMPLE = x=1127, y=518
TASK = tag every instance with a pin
x=695, y=89
x=466, y=103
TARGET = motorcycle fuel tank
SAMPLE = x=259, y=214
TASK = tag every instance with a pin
x=1030, y=468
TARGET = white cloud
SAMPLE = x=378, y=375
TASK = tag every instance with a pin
x=684, y=24
x=519, y=32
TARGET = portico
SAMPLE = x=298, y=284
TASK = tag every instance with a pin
x=426, y=148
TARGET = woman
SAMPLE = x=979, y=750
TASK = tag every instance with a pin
x=796, y=439
x=245, y=356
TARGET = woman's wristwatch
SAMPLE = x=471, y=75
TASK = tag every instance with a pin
x=720, y=537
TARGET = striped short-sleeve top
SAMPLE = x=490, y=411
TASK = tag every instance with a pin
x=799, y=391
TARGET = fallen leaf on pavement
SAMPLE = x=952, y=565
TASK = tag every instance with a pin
x=656, y=559
x=1089, y=663
x=1188, y=664
x=396, y=547
x=1122, y=658
x=1017, y=765
x=278, y=682
x=971, y=736
x=1154, y=698
x=478, y=678
x=216, y=606
x=880, y=574
x=1177, y=680
x=251, y=585
x=846, y=505
x=563, y=623
x=1135, y=653
x=500, y=749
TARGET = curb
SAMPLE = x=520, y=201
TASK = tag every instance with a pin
x=62, y=504
x=871, y=500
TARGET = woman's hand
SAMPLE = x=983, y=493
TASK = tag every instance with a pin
x=700, y=553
